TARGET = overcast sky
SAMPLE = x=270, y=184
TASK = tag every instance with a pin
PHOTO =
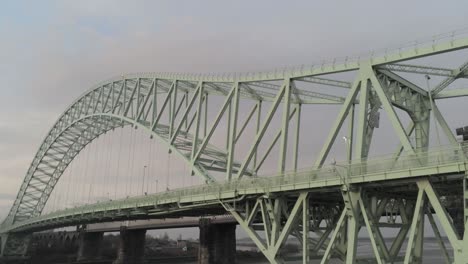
x=52, y=51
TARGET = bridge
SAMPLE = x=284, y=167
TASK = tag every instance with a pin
x=229, y=142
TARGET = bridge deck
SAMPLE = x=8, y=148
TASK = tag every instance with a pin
x=443, y=161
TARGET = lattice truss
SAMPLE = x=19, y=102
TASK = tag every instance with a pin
x=174, y=108
x=326, y=228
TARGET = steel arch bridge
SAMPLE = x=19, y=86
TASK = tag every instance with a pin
x=332, y=202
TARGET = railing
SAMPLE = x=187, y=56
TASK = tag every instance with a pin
x=434, y=157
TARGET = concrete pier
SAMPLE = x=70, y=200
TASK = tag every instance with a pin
x=131, y=247
x=90, y=246
x=14, y=245
x=217, y=243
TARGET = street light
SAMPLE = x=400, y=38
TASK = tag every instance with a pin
x=143, y=184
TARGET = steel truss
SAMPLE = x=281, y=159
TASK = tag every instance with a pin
x=327, y=229
x=173, y=108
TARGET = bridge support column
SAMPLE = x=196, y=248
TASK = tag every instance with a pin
x=217, y=243
x=132, y=246
x=15, y=245
x=90, y=246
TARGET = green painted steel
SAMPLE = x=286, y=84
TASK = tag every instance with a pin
x=447, y=160
x=280, y=205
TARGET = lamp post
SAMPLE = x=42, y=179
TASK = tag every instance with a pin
x=143, y=184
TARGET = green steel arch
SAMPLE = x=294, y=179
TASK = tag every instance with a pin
x=133, y=99
x=173, y=107
x=101, y=109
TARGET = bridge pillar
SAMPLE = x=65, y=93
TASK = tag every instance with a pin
x=132, y=246
x=90, y=246
x=217, y=243
x=15, y=245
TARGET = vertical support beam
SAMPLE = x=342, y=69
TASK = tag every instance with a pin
x=275, y=216
x=266, y=222
x=172, y=109
x=206, y=116
x=351, y=200
x=296, y=138
x=186, y=106
x=465, y=204
x=155, y=100
x=217, y=243
x=197, y=121
x=233, y=131
x=350, y=142
x=305, y=231
x=285, y=126
x=421, y=119
x=138, y=103
x=112, y=91
x=257, y=128
x=228, y=125
x=361, y=141
x=124, y=98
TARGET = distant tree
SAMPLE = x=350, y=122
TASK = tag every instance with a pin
x=165, y=236
x=179, y=237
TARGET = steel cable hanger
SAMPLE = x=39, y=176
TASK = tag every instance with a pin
x=148, y=183
x=118, y=164
x=109, y=171
x=132, y=165
x=69, y=183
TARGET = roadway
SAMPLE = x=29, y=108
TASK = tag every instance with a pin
x=443, y=163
